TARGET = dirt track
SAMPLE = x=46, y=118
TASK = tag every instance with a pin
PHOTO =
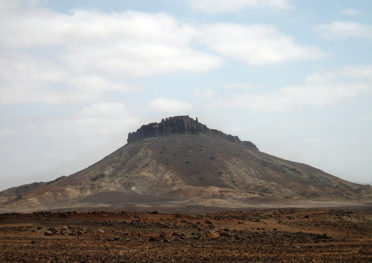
x=271, y=235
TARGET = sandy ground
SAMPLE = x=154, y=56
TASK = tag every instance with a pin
x=255, y=235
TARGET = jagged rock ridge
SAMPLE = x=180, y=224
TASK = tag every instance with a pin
x=180, y=125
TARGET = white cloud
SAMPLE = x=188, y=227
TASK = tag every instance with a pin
x=224, y=6
x=127, y=43
x=170, y=106
x=98, y=121
x=15, y=4
x=124, y=43
x=318, y=90
x=204, y=93
x=37, y=28
x=350, y=12
x=255, y=44
x=240, y=86
x=140, y=60
x=28, y=78
x=345, y=29
x=87, y=54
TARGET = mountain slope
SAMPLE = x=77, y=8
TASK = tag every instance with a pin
x=180, y=161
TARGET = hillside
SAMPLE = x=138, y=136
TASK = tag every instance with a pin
x=181, y=162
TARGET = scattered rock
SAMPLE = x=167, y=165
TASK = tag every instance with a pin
x=48, y=233
x=213, y=235
x=152, y=239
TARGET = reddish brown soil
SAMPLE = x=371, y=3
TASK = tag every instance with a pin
x=271, y=235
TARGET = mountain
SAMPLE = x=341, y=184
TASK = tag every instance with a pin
x=182, y=162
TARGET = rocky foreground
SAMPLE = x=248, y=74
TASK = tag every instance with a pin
x=271, y=235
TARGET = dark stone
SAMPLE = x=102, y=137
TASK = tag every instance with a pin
x=169, y=126
x=152, y=239
x=250, y=145
x=48, y=233
x=181, y=125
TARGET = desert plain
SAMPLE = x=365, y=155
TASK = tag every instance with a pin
x=166, y=235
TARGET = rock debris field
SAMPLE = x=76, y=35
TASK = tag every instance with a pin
x=256, y=235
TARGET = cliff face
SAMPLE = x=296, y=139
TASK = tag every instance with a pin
x=169, y=126
x=180, y=125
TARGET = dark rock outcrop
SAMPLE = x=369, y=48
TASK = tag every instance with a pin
x=180, y=125
x=250, y=145
x=169, y=126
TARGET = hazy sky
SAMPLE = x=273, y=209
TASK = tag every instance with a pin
x=294, y=77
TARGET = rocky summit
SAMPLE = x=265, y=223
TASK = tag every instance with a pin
x=181, y=125
x=180, y=162
x=169, y=126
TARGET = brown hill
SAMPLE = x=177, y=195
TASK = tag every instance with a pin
x=181, y=162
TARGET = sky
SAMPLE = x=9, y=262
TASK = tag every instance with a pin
x=294, y=77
